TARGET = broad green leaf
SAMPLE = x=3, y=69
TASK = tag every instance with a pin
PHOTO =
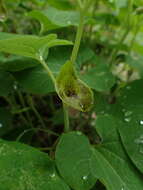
x=109, y=162
x=53, y=18
x=73, y=156
x=35, y=80
x=73, y=91
x=17, y=63
x=29, y=45
x=5, y=121
x=23, y=167
x=6, y=83
x=99, y=78
x=131, y=129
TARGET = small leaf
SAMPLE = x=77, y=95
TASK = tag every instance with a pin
x=73, y=91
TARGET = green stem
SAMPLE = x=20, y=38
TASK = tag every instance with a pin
x=66, y=118
x=47, y=69
x=78, y=38
x=31, y=103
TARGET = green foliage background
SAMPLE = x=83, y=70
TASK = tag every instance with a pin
x=104, y=147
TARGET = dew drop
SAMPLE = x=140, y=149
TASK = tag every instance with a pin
x=141, y=122
x=53, y=175
x=84, y=177
x=127, y=119
x=1, y=125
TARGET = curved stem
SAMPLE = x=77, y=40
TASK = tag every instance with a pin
x=47, y=69
x=66, y=118
x=35, y=130
x=78, y=38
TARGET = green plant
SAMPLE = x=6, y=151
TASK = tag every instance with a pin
x=71, y=110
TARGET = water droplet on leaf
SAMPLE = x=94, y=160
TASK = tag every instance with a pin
x=141, y=122
x=1, y=125
x=84, y=177
x=127, y=119
x=53, y=175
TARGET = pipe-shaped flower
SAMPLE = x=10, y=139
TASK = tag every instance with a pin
x=72, y=90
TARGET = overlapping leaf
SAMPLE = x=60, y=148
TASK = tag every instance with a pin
x=53, y=18
x=28, y=45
